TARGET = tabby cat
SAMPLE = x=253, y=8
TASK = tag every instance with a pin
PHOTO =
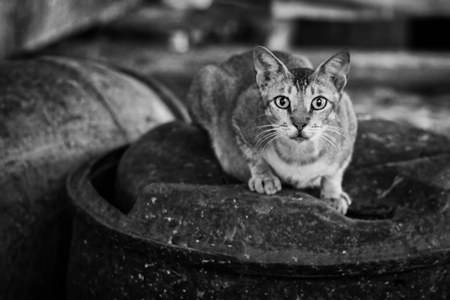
x=293, y=125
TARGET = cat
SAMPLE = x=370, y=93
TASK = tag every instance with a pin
x=273, y=119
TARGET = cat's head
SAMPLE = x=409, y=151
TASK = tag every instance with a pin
x=300, y=103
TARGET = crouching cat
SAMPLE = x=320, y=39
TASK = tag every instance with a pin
x=289, y=124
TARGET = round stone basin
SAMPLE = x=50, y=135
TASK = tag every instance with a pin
x=176, y=227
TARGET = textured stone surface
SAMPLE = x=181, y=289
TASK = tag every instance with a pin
x=54, y=115
x=189, y=231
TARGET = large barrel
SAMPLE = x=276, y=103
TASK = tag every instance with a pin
x=55, y=114
x=177, y=227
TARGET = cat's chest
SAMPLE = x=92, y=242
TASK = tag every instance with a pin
x=300, y=175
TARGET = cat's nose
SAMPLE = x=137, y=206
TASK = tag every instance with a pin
x=300, y=126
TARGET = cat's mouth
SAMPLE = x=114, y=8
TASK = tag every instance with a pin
x=298, y=138
x=302, y=136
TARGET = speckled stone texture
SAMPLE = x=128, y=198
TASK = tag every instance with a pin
x=176, y=227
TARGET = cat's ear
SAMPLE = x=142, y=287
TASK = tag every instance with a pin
x=267, y=66
x=337, y=68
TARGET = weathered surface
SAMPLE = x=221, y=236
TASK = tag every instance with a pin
x=54, y=115
x=192, y=232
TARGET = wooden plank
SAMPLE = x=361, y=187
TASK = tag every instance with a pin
x=410, y=7
x=287, y=10
x=29, y=24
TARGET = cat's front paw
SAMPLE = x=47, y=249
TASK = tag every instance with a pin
x=265, y=184
x=340, y=203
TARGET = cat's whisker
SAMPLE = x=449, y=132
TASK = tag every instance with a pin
x=260, y=141
x=330, y=140
x=265, y=135
x=265, y=138
x=260, y=116
x=269, y=142
x=271, y=129
x=324, y=142
x=334, y=144
x=328, y=135
x=336, y=130
x=334, y=127
x=269, y=136
x=327, y=144
x=261, y=126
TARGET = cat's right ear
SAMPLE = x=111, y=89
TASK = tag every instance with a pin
x=337, y=68
x=267, y=66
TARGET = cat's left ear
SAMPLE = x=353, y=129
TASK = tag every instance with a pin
x=337, y=68
x=267, y=66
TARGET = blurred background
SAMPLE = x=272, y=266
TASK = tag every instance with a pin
x=400, y=48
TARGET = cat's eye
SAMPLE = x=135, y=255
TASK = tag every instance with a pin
x=319, y=103
x=282, y=102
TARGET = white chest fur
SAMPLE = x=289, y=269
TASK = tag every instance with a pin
x=299, y=175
